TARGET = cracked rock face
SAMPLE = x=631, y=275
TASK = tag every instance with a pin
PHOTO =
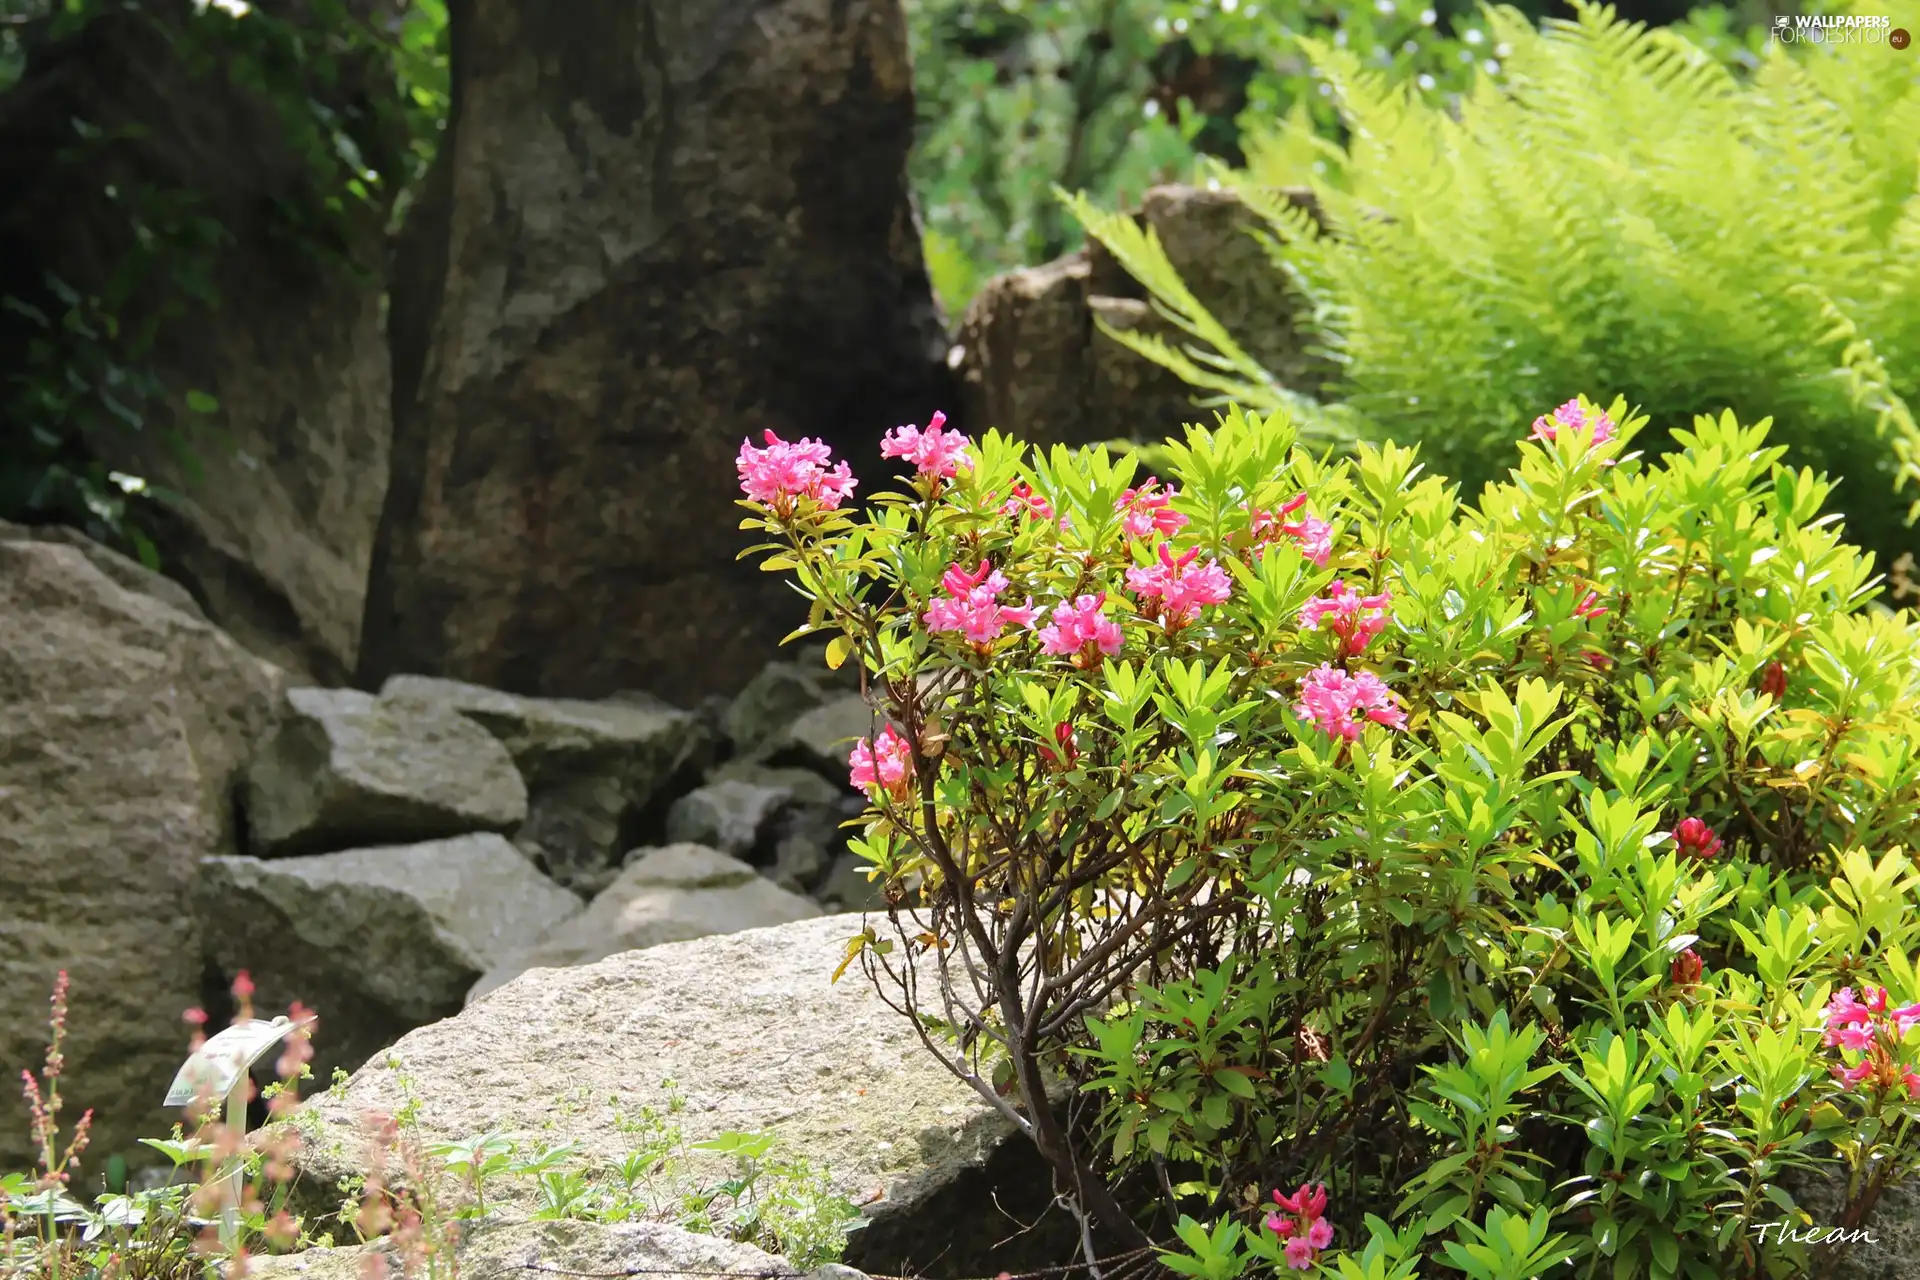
x=709, y=231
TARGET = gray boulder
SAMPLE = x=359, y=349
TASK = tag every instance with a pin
x=493, y=1248
x=729, y=816
x=778, y=695
x=847, y=888
x=758, y=1039
x=347, y=769
x=124, y=723
x=590, y=767
x=807, y=788
x=712, y=236
x=671, y=894
x=377, y=940
x=823, y=738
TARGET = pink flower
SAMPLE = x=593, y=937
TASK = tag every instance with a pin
x=1331, y=698
x=970, y=607
x=1149, y=512
x=1905, y=1019
x=1180, y=588
x=1869, y=1028
x=781, y=474
x=1081, y=629
x=1589, y=607
x=1025, y=500
x=1309, y=1202
x=1570, y=416
x=1695, y=839
x=1854, y=1074
x=1304, y=1226
x=1313, y=536
x=885, y=761
x=933, y=452
x=1357, y=619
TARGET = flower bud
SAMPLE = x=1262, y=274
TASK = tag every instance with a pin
x=1773, y=681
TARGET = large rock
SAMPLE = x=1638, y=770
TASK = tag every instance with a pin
x=378, y=941
x=593, y=769
x=251, y=296
x=824, y=738
x=134, y=577
x=123, y=724
x=346, y=768
x=569, y=1247
x=757, y=1040
x=1033, y=363
x=657, y=228
x=672, y=894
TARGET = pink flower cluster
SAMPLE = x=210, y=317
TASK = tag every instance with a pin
x=1341, y=703
x=782, y=474
x=1356, y=619
x=1313, y=535
x=1570, y=416
x=1869, y=1028
x=1695, y=840
x=1148, y=510
x=1081, y=629
x=1175, y=590
x=934, y=452
x=971, y=607
x=885, y=762
x=1303, y=1225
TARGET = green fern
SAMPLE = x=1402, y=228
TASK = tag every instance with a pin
x=1614, y=212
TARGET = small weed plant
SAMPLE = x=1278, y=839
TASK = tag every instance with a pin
x=1388, y=884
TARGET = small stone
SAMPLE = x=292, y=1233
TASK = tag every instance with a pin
x=345, y=769
x=671, y=894
x=728, y=816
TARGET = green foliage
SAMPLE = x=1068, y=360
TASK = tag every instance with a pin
x=82, y=371
x=1614, y=208
x=1109, y=97
x=1541, y=967
x=1018, y=97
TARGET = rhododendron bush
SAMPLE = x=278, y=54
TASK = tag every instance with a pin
x=1380, y=882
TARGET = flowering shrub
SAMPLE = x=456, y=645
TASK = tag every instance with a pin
x=1500, y=875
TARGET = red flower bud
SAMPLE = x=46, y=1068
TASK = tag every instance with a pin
x=1687, y=968
x=1695, y=839
x=1773, y=681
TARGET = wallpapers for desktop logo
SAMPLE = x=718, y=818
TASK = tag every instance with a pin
x=1817, y=28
